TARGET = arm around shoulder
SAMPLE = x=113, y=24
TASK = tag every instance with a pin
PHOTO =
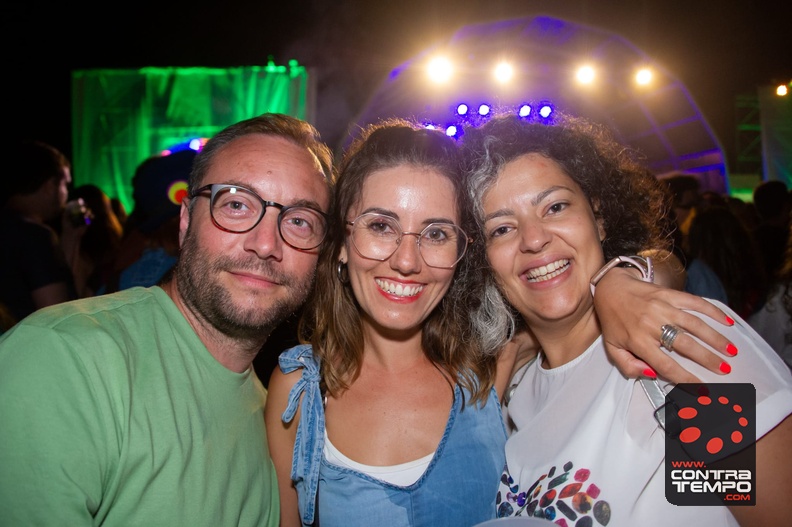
x=632, y=313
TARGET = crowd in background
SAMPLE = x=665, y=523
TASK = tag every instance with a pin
x=64, y=242
x=739, y=253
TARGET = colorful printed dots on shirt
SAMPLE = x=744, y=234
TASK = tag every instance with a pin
x=714, y=444
x=567, y=504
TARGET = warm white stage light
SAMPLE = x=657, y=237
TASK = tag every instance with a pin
x=585, y=75
x=504, y=72
x=782, y=90
x=439, y=69
x=644, y=76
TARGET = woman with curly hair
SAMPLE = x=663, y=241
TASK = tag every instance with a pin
x=554, y=204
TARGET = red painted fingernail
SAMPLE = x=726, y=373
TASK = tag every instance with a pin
x=731, y=349
x=729, y=320
x=649, y=372
x=725, y=368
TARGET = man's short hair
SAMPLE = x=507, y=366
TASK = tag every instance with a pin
x=33, y=163
x=290, y=128
x=679, y=184
x=770, y=199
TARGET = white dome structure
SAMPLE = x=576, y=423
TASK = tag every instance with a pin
x=659, y=118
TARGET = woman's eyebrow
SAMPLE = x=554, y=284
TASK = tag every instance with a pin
x=536, y=200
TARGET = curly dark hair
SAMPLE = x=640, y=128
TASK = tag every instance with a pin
x=331, y=321
x=628, y=199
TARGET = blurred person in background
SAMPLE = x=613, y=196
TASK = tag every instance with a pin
x=723, y=259
x=774, y=320
x=685, y=193
x=773, y=204
x=99, y=244
x=151, y=240
x=34, y=264
x=7, y=319
x=119, y=210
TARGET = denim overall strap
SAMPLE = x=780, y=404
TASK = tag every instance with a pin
x=309, y=442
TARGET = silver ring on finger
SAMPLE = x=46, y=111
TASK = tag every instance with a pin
x=668, y=335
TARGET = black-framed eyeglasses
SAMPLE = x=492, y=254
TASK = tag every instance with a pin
x=377, y=236
x=238, y=209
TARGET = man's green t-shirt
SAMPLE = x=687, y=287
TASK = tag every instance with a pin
x=113, y=412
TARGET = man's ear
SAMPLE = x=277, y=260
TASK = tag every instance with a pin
x=184, y=220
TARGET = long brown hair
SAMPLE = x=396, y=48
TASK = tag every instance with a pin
x=332, y=322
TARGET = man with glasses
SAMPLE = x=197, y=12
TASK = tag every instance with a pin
x=142, y=407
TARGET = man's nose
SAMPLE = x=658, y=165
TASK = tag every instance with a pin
x=265, y=239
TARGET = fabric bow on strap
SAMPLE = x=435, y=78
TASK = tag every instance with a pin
x=309, y=442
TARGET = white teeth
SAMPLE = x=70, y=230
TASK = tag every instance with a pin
x=399, y=289
x=546, y=272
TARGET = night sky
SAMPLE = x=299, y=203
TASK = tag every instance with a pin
x=719, y=49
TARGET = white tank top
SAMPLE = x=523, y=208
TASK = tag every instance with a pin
x=403, y=474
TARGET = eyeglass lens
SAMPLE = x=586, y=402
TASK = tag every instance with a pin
x=377, y=237
x=237, y=209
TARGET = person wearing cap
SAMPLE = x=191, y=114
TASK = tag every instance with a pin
x=151, y=239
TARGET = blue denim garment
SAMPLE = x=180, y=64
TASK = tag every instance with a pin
x=457, y=489
x=309, y=443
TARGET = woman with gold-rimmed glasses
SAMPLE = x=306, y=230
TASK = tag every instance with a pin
x=391, y=407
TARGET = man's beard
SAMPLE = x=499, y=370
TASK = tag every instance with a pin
x=196, y=278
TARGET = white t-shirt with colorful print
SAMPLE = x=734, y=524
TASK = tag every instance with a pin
x=587, y=451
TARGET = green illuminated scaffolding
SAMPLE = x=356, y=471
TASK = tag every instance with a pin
x=121, y=117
